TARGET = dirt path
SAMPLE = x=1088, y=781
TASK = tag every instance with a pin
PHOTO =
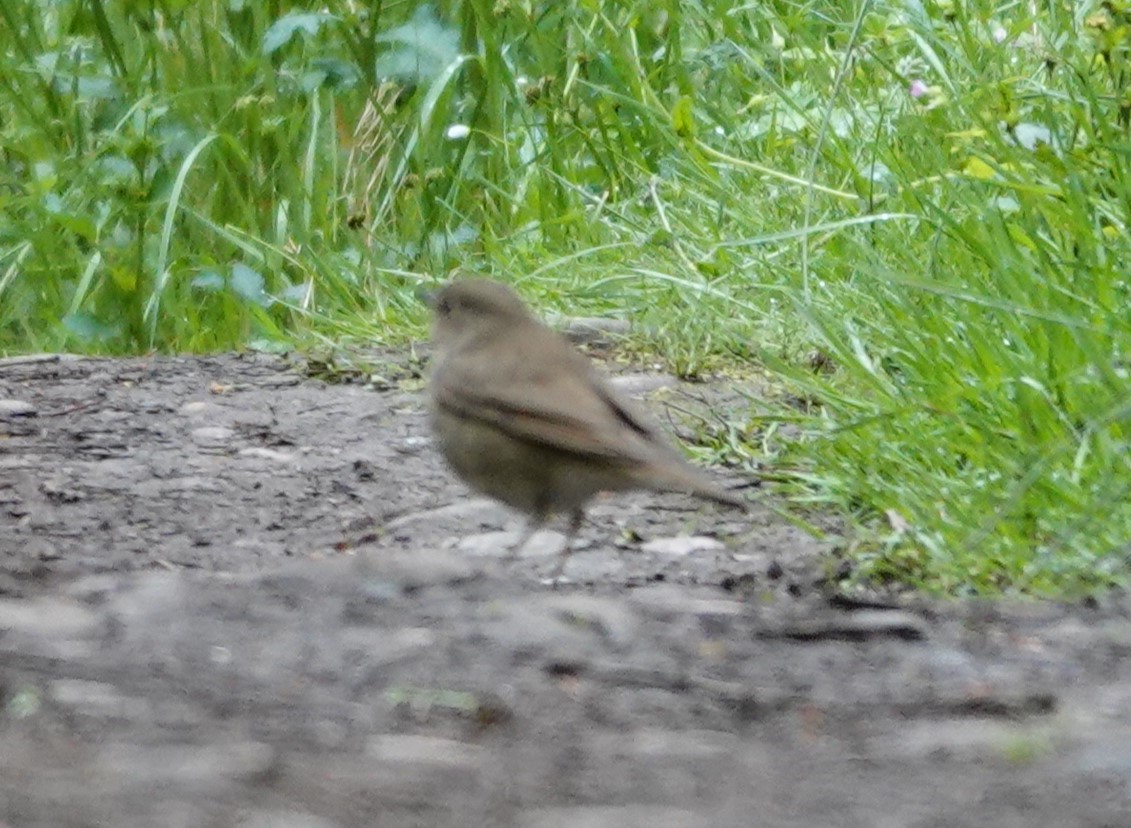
x=232, y=596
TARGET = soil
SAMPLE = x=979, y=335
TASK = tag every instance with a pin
x=232, y=595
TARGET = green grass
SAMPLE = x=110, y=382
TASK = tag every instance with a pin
x=751, y=183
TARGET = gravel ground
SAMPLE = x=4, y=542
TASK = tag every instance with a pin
x=231, y=595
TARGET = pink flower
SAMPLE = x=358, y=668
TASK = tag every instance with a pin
x=917, y=89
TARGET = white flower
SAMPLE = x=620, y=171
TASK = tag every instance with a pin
x=457, y=132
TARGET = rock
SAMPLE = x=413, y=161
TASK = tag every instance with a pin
x=543, y=544
x=853, y=626
x=197, y=407
x=413, y=445
x=681, y=545
x=592, y=330
x=637, y=385
x=488, y=544
x=267, y=454
x=17, y=408
x=466, y=513
x=46, y=618
x=212, y=436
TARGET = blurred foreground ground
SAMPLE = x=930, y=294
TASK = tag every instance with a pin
x=233, y=596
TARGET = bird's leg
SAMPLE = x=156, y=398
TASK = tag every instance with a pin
x=532, y=526
x=576, y=518
x=536, y=521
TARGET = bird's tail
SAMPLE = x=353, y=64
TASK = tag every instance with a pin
x=689, y=480
x=721, y=495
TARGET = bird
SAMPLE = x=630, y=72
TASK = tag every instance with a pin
x=524, y=417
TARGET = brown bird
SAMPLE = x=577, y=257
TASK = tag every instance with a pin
x=523, y=416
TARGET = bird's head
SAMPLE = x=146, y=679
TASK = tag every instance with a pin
x=472, y=307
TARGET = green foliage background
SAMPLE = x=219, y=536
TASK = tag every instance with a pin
x=914, y=213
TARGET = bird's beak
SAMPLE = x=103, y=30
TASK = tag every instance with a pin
x=427, y=295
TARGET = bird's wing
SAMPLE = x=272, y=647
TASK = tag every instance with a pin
x=552, y=397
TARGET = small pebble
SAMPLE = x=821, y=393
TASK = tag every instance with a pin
x=681, y=545
x=16, y=408
x=212, y=435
